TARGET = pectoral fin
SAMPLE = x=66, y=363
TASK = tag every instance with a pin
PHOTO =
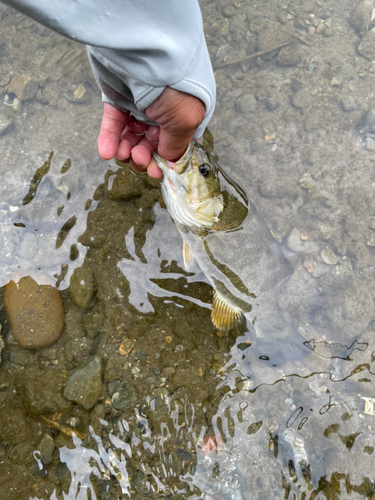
x=188, y=257
x=225, y=316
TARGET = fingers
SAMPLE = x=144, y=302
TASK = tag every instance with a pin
x=113, y=124
x=179, y=115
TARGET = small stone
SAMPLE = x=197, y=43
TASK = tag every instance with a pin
x=123, y=395
x=371, y=240
x=49, y=94
x=328, y=33
x=46, y=448
x=301, y=98
x=125, y=185
x=229, y=10
x=366, y=46
x=370, y=121
x=335, y=82
x=320, y=29
x=306, y=181
x=29, y=246
x=289, y=56
x=16, y=106
x=247, y=104
x=295, y=243
x=348, y=103
x=282, y=19
x=23, y=87
x=84, y=384
x=126, y=346
x=311, y=31
x=82, y=286
x=5, y=123
x=79, y=95
x=370, y=144
x=329, y=257
x=36, y=312
x=360, y=17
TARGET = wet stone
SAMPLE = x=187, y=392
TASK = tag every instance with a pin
x=329, y=257
x=370, y=121
x=82, y=286
x=80, y=94
x=348, y=103
x=366, y=46
x=370, y=144
x=84, y=384
x=125, y=185
x=36, y=312
x=289, y=56
x=49, y=94
x=123, y=396
x=247, y=104
x=301, y=98
x=29, y=246
x=46, y=448
x=296, y=244
x=41, y=391
x=360, y=17
x=23, y=87
x=5, y=123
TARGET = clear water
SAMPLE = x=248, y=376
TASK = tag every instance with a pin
x=202, y=415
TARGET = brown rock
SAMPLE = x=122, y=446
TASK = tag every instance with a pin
x=23, y=87
x=36, y=312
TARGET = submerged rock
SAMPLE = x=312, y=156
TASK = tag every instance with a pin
x=82, y=286
x=84, y=384
x=36, y=312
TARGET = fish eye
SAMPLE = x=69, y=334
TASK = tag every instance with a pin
x=204, y=169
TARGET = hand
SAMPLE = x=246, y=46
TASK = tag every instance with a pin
x=121, y=135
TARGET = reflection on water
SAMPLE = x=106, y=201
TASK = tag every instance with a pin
x=184, y=411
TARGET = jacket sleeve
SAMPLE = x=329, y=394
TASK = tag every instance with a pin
x=136, y=47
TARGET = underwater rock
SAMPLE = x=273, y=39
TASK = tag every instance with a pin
x=122, y=394
x=23, y=87
x=82, y=286
x=360, y=17
x=36, y=312
x=5, y=123
x=366, y=46
x=84, y=384
x=46, y=448
x=14, y=428
x=297, y=244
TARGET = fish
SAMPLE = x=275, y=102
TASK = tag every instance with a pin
x=224, y=232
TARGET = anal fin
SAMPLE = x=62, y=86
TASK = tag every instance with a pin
x=188, y=256
x=224, y=316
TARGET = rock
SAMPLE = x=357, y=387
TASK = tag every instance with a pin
x=84, y=384
x=366, y=46
x=29, y=246
x=23, y=87
x=5, y=123
x=125, y=185
x=301, y=98
x=360, y=17
x=329, y=257
x=41, y=390
x=14, y=428
x=289, y=56
x=123, y=396
x=36, y=312
x=82, y=286
x=46, y=448
x=80, y=94
x=371, y=240
x=247, y=104
x=306, y=181
x=348, y=103
x=297, y=244
x=370, y=121
x=49, y=94
x=328, y=33
x=229, y=10
x=370, y=144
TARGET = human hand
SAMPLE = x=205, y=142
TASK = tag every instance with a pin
x=121, y=135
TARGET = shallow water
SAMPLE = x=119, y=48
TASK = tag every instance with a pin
x=182, y=411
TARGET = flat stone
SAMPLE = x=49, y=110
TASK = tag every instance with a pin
x=46, y=448
x=23, y=87
x=36, y=312
x=82, y=286
x=123, y=396
x=5, y=123
x=370, y=144
x=289, y=56
x=296, y=244
x=247, y=104
x=329, y=257
x=84, y=384
x=348, y=103
x=301, y=98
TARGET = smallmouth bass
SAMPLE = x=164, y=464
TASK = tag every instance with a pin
x=223, y=231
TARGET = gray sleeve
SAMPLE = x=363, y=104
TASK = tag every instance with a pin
x=136, y=47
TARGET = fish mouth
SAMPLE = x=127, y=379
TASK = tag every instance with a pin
x=180, y=165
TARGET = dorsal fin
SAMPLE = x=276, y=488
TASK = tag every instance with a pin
x=224, y=316
x=188, y=256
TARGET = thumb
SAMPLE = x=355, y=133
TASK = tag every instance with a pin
x=178, y=115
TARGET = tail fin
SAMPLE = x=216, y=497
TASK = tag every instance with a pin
x=278, y=343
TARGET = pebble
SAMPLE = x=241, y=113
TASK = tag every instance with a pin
x=370, y=121
x=306, y=181
x=328, y=33
x=247, y=104
x=289, y=56
x=5, y=123
x=123, y=396
x=329, y=257
x=46, y=448
x=23, y=87
x=82, y=286
x=79, y=95
x=296, y=244
x=366, y=46
x=320, y=29
x=348, y=103
x=371, y=240
x=36, y=312
x=360, y=17
x=370, y=144
x=49, y=94
x=84, y=384
x=29, y=246
x=301, y=98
